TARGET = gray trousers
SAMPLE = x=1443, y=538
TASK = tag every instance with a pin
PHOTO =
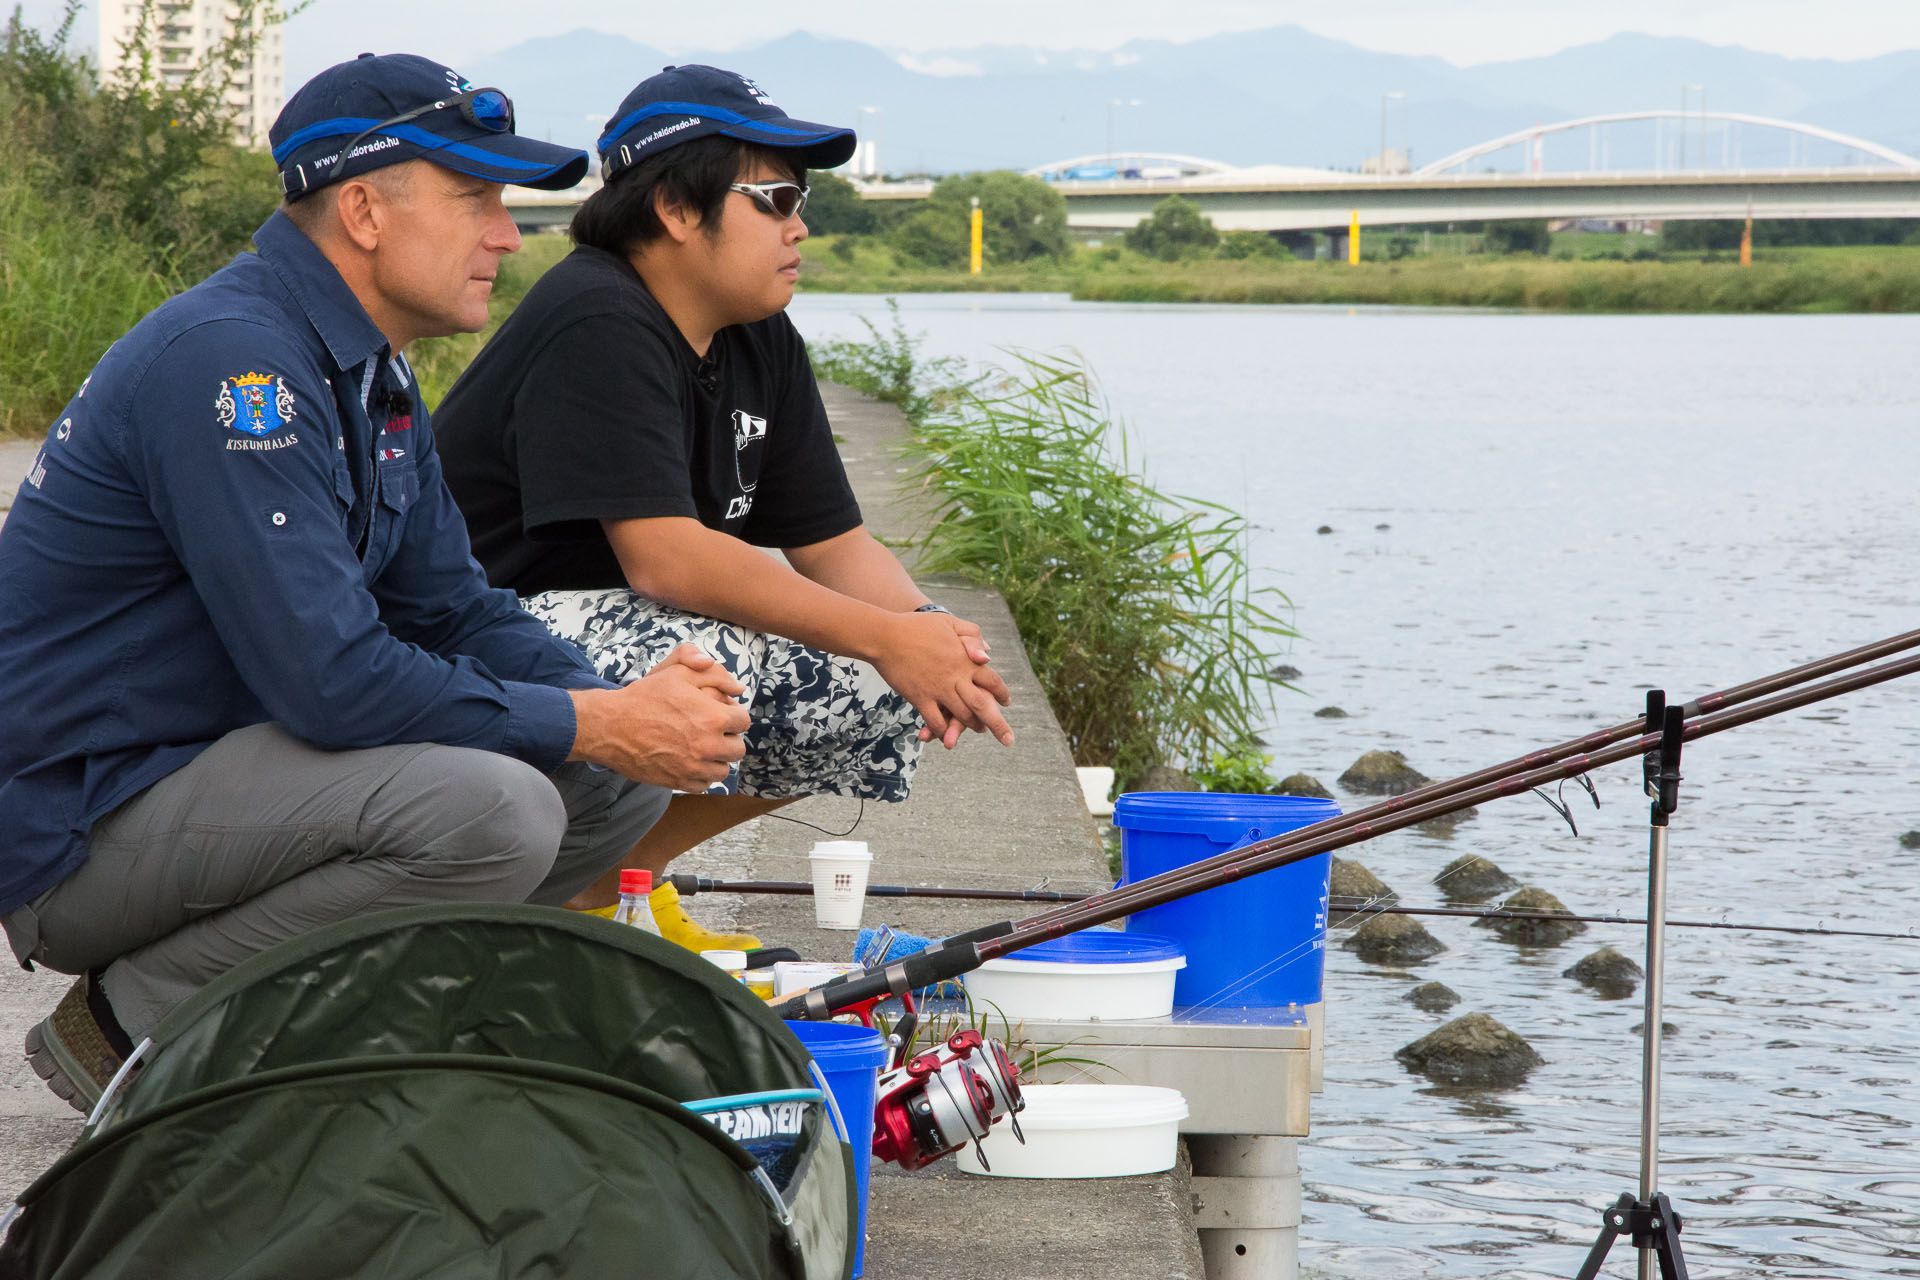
x=263, y=838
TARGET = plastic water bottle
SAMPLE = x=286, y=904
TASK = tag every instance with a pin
x=636, y=886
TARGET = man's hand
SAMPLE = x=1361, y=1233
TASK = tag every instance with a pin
x=938, y=663
x=678, y=726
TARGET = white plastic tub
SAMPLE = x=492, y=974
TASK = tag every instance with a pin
x=1085, y=1131
x=1097, y=974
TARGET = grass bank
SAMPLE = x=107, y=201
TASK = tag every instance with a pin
x=1782, y=280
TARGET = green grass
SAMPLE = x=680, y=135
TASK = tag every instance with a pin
x=1853, y=279
x=68, y=290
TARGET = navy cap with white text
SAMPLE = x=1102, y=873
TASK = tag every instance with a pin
x=346, y=99
x=684, y=103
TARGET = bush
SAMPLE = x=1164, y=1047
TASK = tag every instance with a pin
x=1518, y=235
x=1246, y=770
x=1025, y=219
x=1241, y=245
x=834, y=207
x=888, y=366
x=1175, y=229
x=116, y=196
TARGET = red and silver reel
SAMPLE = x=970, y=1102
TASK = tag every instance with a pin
x=945, y=1098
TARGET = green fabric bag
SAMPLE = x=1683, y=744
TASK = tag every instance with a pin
x=451, y=1091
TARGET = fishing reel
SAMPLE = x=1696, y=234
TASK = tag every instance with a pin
x=942, y=1099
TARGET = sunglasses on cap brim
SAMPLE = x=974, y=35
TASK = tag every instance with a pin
x=487, y=109
x=781, y=199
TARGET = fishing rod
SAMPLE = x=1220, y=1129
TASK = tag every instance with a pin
x=690, y=885
x=1598, y=740
x=1337, y=905
x=1728, y=709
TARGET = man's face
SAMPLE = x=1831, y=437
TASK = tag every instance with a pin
x=441, y=242
x=752, y=261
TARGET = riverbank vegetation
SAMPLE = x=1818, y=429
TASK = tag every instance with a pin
x=1135, y=605
x=116, y=195
x=1177, y=255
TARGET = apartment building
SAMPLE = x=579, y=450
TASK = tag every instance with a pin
x=182, y=34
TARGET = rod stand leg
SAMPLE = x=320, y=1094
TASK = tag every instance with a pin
x=1648, y=1225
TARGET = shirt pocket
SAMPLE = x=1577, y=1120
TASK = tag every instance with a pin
x=399, y=489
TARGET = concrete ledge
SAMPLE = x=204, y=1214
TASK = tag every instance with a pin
x=979, y=815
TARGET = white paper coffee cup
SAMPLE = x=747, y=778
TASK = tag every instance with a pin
x=839, y=882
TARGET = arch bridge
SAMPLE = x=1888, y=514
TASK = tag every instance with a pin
x=1699, y=124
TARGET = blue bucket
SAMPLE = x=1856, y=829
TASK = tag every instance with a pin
x=850, y=1058
x=1236, y=930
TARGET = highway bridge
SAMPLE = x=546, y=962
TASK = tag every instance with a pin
x=1113, y=193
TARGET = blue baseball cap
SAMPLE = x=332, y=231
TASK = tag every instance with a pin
x=392, y=107
x=684, y=103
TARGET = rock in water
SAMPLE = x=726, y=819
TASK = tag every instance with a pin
x=1163, y=778
x=1353, y=880
x=1607, y=972
x=1330, y=713
x=1911, y=840
x=1389, y=939
x=1473, y=1049
x=1472, y=878
x=1442, y=826
x=1434, y=997
x=1300, y=784
x=1283, y=671
x=1382, y=773
x=1531, y=932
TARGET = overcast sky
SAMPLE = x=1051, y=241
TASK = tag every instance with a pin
x=1461, y=31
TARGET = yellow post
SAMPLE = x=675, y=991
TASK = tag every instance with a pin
x=1353, y=240
x=976, y=241
x=1746, y=242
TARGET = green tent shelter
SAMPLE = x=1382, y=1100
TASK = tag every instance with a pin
x=457, y=1091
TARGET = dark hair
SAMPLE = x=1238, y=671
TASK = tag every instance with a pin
x=622, y=215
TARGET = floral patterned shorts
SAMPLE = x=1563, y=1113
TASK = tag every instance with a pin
x=822, y=724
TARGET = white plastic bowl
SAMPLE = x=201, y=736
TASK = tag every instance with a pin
x=1085, y=1131
x=1044, y=991
x=1101, y=974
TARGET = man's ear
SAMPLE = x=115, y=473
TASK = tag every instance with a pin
x=678, y=220
x=362, y=212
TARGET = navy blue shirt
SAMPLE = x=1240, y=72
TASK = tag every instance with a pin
x=238, y=518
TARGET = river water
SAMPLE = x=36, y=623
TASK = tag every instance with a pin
x=1534, y=518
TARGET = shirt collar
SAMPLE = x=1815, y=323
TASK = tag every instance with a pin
x=336, y=314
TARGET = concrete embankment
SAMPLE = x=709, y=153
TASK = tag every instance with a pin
x=980, y=814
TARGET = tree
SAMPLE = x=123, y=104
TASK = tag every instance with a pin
x=1025, y=219
x=1175, y=229
x=1517, y=235
x=834, y=207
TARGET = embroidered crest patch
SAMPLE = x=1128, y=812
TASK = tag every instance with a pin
x=256, y=403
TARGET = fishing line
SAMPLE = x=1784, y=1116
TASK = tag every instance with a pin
x=837, y=835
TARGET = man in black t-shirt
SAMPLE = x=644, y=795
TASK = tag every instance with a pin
x=647, y=417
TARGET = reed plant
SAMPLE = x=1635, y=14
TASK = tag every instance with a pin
x=1138, y=612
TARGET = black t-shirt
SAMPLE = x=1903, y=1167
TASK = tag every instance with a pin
x=589, y=405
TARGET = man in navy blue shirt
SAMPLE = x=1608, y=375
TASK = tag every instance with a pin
x=251, y=679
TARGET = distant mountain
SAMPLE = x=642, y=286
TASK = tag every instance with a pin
x=1281, y=96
